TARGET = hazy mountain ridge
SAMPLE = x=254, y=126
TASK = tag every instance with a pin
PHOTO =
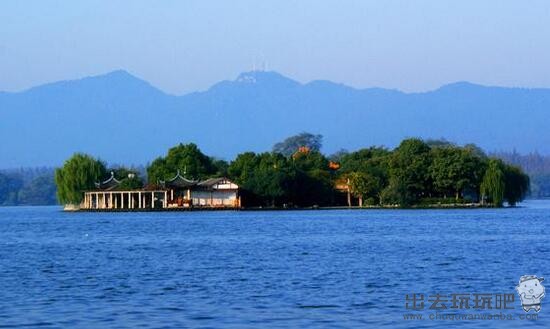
x=124, y=119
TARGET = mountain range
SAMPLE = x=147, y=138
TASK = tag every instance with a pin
x=125, y=120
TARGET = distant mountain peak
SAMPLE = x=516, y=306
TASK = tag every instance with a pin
x=269, y=78
x=247, y=77
x=121, y=72
x=119, y=75
x=120, y=80
x=460, y=85
x=123, y=119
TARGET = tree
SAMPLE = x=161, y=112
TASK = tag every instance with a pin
x=409, y=171
x=442, y=142
x=312, y=179
x=266, y=177
x=243, y=167
x=220, y=167
x=290, y=145
x=185, y=158
x=78, y=174
x=367, y=171
x=357, y=161
x=338, y=155
x=516, y=185
x=364, y=185
x=493, y=184
x=129, y=178
x=272, y=178
x=454, y=169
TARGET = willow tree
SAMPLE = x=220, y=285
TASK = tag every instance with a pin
x=78, y=174
x=517, y=185
x=493, y=183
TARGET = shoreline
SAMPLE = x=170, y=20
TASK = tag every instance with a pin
x=418, y=207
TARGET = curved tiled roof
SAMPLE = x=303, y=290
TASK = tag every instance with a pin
x=109, y=184
x=178, y=182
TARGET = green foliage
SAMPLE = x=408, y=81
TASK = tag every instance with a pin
x=516, y=185
x=356, y=161
x=365, y=185
x=493, y=183
x=273, y=179
x=129, y=179
x=187, y=159
x=266, y=176
x=339, y=155
x=290, y=145
x=130, y=184
x=537, y=166
x=454, y=169
x=297, y=174
x=243, y=168
x=220, y=167
x=313, y=181
x=77, y=175
x=409, y=171
x=504, y=182
x=367, y=171
x=436, y=143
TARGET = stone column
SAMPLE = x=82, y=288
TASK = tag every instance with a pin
x=165, y=203
x=152, y=200
x=139, y=202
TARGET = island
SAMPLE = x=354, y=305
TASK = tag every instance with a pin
x=296, y=175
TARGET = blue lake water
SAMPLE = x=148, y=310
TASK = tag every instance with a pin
x=280, y=269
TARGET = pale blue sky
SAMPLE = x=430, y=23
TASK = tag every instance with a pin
x=182, y=46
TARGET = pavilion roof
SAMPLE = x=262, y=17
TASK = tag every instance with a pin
x=212, y=183
x=178, y=181
x=109, y=184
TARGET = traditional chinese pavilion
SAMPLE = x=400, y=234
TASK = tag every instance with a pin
x=176, y=193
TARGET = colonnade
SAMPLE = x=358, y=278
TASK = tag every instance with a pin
x=125, y=200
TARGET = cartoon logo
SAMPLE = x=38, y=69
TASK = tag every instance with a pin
x=531, y=292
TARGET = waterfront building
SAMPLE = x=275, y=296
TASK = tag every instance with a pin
x=176, y=193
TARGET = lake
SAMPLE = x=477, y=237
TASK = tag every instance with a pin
x=275, y=269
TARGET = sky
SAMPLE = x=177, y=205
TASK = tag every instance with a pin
x=185, y=46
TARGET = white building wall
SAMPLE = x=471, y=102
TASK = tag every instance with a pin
x=214, y=198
